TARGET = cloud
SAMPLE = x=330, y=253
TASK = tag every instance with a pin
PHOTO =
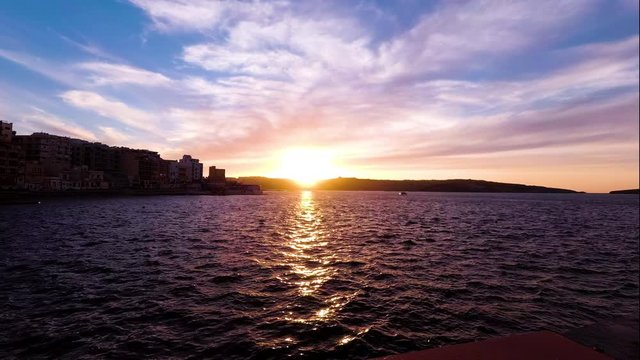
x=101, y=73
x=212, y=128
x=290, y=50
x=41, y=66
x=468, y=35
x=244, y=92
x=288, y=77
x=200, y=15
x=113, y=136
x=219, y=58
x=593, y=70
x=87, y=73
x=456, y=35
x=580, y=108
x=558, y=130
x=112, y=109
x=90, y=48
x=323, y=61
x=40, y=120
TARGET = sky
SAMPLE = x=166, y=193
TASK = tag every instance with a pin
x=535, y=92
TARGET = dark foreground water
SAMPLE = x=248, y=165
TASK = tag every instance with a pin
x=308, y=275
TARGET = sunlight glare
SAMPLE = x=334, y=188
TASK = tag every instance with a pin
x=307, y=166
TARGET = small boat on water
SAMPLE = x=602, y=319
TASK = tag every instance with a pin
x=402, y=193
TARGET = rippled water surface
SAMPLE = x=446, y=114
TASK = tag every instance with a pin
x=308, y=275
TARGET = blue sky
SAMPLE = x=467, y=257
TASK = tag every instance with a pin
x=541, y=92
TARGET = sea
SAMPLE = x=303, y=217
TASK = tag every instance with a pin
x=308, y=274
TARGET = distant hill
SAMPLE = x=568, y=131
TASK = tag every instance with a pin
x=630, y=191
x=270, y=183
x=456, y=185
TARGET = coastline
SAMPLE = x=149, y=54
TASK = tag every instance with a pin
x=18, y=198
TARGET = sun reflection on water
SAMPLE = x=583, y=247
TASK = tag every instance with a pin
x=311, y=260
x=306, y=256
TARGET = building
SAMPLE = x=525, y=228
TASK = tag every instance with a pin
x=51, y=151
x=95, y=156
x=216, y=176
x=45, y=162
x=197, y=171
x=189, y=169
x=33, y=176
x=142, y=168
x=163, y=172
x=173, y=171
x=99, y=157
x=11, y=159
x=6, y=132
x=149, y=163
x=81, y=178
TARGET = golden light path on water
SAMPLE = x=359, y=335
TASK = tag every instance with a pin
x=306, y=243
x=311, y=258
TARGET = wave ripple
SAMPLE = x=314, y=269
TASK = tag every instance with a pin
x=308, y=275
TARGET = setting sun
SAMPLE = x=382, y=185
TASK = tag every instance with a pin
x=306, y=166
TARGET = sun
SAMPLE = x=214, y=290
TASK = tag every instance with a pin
x=306, y=166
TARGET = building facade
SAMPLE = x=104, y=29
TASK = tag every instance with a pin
x=81, y=178
x=142, y=168
x=216, y=176
x=190, y=169
x=6, y=132
x=51, y=151
x=11, y=159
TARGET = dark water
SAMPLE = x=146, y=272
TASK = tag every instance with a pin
x=308, y=275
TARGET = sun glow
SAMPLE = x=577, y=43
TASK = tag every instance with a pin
x=307, y=166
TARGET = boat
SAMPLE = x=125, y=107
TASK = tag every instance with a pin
x=403, y=193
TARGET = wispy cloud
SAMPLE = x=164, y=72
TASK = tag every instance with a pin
x=40, y=120
x=91, y=49
x=114, y=136
x=220, y=58
x=100, y=73
x=87, y=73
x=200, y=15
x=463, y=36
x=40, y=66
x=596, y=69
x=564, y=127
x=109, y=108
